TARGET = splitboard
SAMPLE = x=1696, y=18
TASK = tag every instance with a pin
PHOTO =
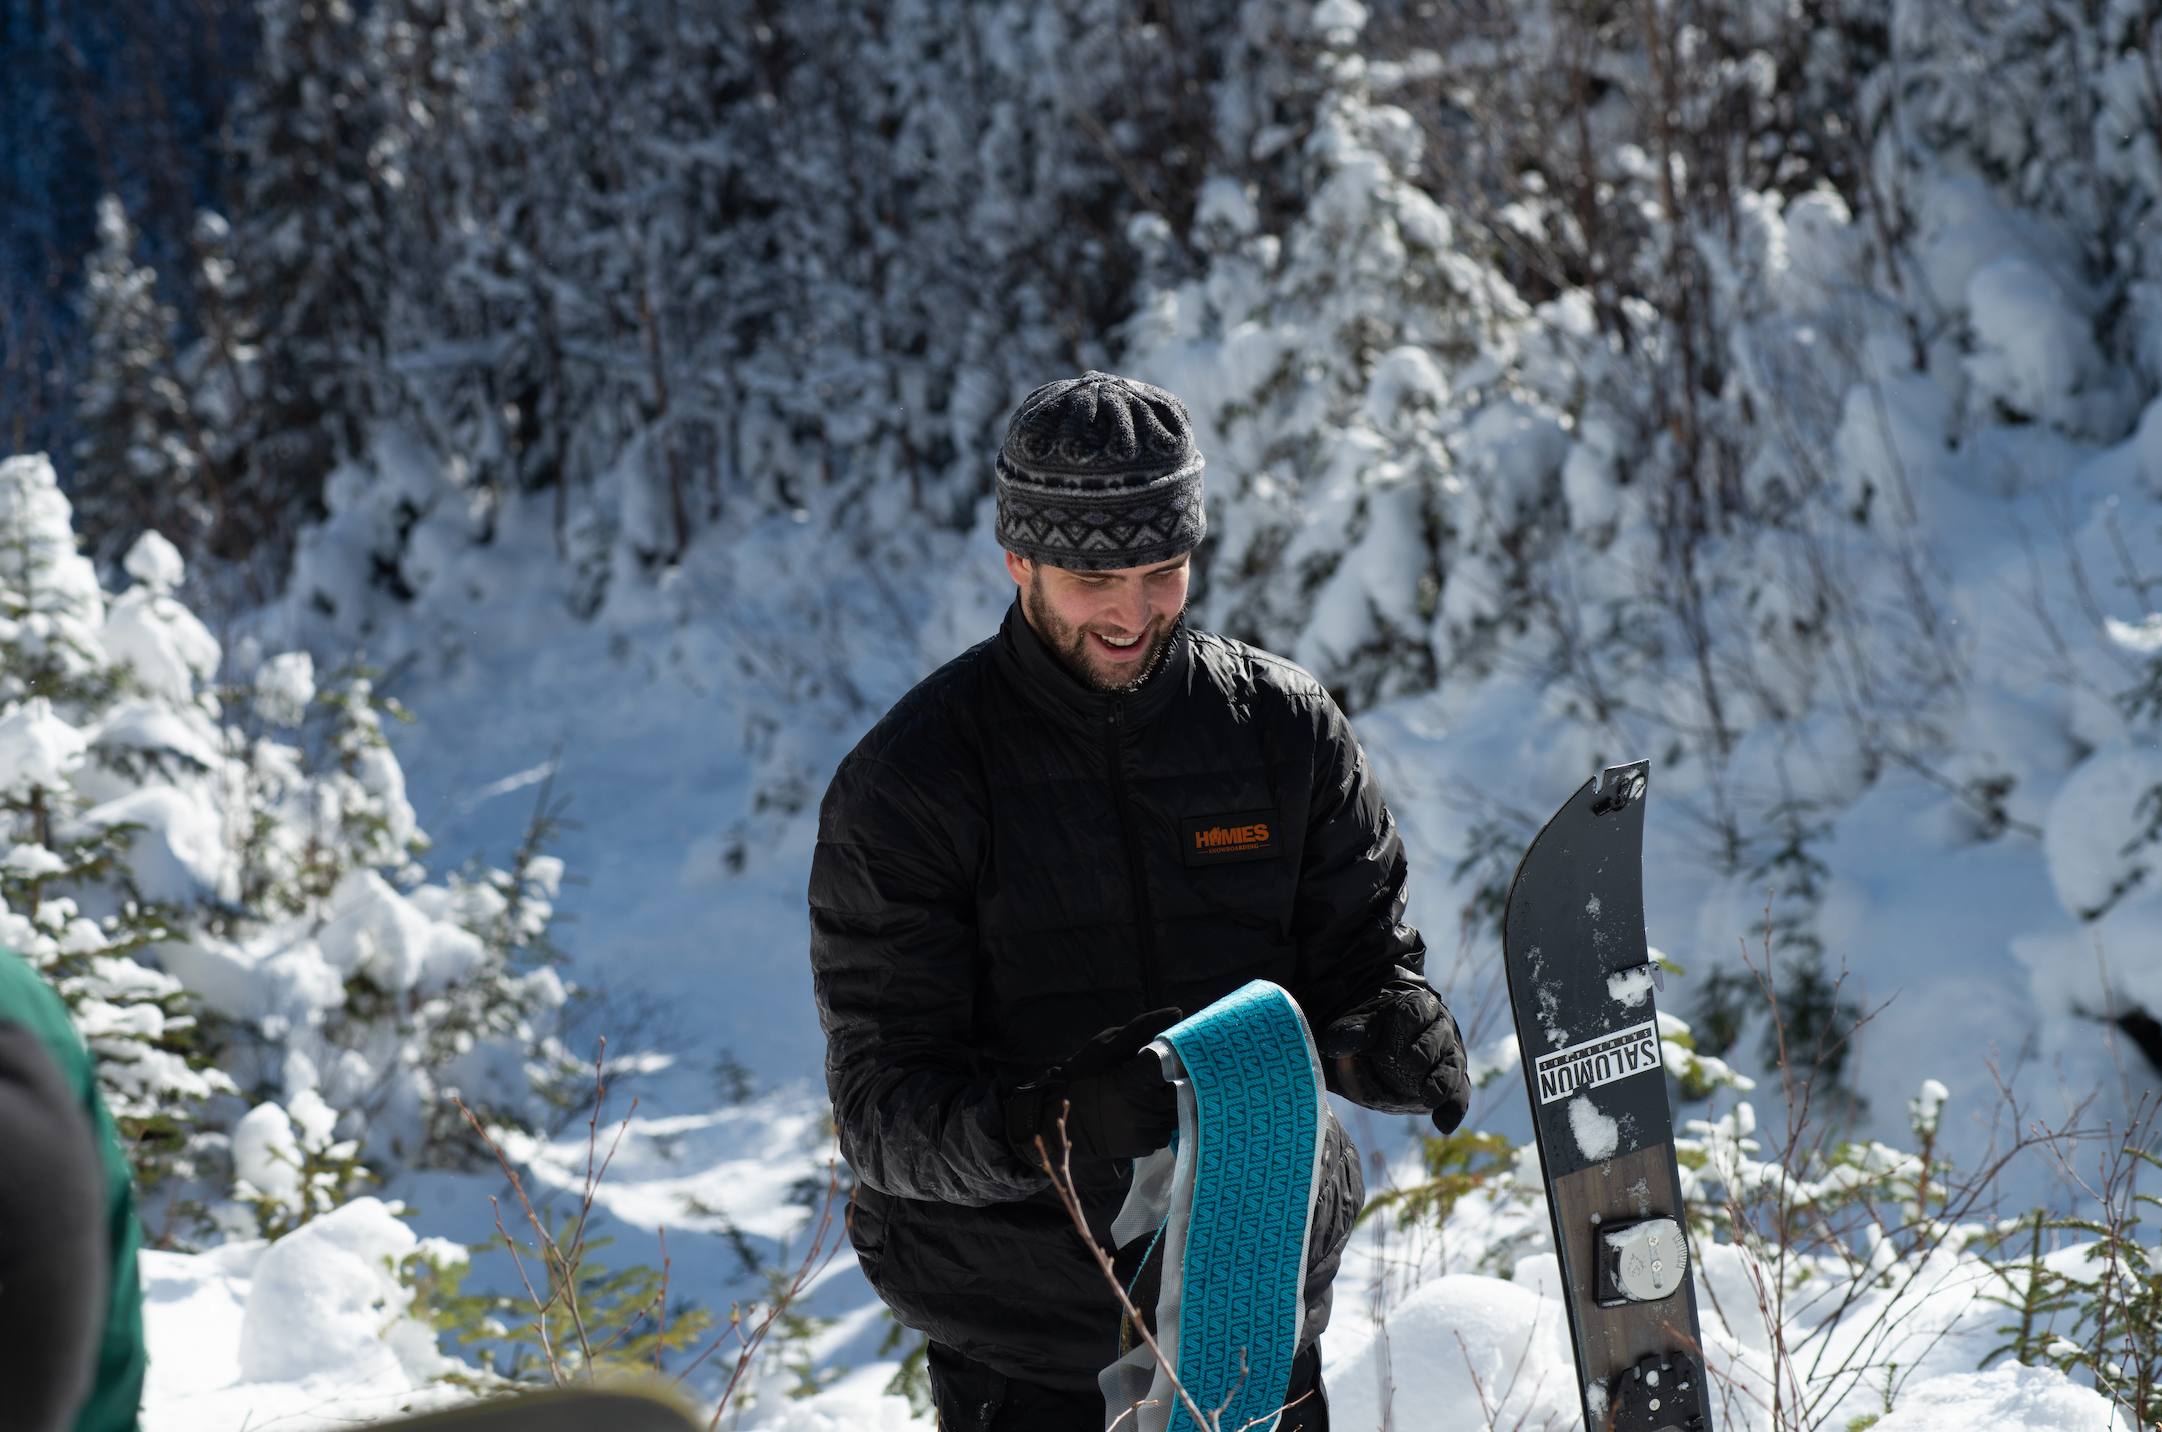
x=1580, y=982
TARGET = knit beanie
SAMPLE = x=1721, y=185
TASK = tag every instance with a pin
x=1097, y=473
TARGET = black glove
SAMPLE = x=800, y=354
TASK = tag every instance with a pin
x=1399, y=1053
x=1122, y=1106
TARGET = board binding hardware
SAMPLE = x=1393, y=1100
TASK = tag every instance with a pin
x=1664, y=1392
x=1641, y=1261
x=1627, y=785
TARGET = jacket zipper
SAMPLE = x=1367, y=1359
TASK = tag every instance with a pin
x=1144, y=918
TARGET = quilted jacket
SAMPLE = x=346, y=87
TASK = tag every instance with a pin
x=1010, y=862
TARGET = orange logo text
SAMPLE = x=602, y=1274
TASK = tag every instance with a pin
x=1231, y=837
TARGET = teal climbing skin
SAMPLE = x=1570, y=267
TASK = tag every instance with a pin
x=1240, y=1204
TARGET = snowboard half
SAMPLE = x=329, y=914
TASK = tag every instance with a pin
x=1581, y=986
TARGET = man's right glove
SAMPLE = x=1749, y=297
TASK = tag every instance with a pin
x=1399, y=1053
x=1123, y=1107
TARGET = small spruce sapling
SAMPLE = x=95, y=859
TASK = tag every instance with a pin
x=291, y=1166
x=2115, y=1338
x=83, y=725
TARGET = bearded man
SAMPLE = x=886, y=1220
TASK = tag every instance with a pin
x=1055, y=844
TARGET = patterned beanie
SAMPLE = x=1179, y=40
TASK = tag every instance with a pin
x=1099, y=472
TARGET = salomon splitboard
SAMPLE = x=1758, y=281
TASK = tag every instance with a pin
x=1581, y=984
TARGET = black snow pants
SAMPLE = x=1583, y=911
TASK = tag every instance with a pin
x=972, y=1398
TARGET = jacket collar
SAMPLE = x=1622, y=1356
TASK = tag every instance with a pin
x=1048, y=682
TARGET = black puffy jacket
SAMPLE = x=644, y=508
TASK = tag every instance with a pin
x=1010, y=862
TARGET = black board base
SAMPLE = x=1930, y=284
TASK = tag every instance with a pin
x=1581, y=987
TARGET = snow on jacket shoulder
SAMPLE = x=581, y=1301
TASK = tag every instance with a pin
x=1009, y=863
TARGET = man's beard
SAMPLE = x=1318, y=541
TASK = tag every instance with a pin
x=1070, y=644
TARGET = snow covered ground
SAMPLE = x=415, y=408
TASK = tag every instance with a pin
x=705, y=972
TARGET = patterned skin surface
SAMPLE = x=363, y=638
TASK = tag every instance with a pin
x=1258, y=1096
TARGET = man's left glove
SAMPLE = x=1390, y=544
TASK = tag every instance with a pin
x=1122, y=1106
x=1400, y=1053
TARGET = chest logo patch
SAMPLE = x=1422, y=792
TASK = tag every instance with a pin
x=1243, y=835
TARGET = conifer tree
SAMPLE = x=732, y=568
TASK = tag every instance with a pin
x=298, y=281
x=139, y=453
x=220, y=880
x=1328, y=363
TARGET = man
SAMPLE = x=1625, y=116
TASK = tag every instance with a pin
x=1047, y=851
x=71, y=1304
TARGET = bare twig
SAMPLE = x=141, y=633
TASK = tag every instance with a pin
x=570, y=1263
x=749, y=1327
x=1062, y=1183
x=1884, y=1228
x=564, y=1262
x=540, y=1305
x=661, y=1341
x=543, y=1241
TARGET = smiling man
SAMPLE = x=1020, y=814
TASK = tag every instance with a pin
x=1063, y=838
x=1109, y=629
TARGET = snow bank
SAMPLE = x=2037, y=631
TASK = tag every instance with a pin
x=310, y=1331
x=325, y=1302
x=2093, y=836
x=1463, y=1352
x=859, y=1402
x=2032, y=1399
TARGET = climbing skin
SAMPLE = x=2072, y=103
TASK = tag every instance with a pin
x=1234, y=1196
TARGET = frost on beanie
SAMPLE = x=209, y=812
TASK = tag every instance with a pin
x=1099, y=472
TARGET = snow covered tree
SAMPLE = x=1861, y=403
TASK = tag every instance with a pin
x=76, y=722
x=138, y=433
x=220, y=880
x=1623, y=346
x=1344, y=526
x=646, y=272
x=295, y=288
